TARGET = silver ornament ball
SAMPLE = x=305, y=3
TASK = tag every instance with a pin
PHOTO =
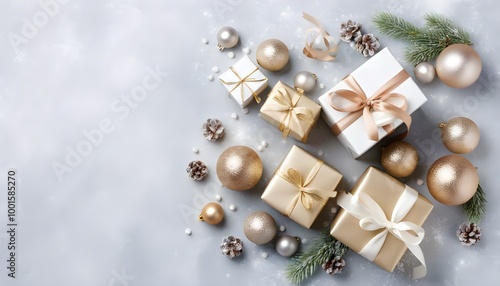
x=287, y=245
x=424, y=72
x=458, y=66
x=227, y=37
x=305, y=81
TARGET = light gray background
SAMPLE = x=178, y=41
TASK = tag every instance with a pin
x=117, y=216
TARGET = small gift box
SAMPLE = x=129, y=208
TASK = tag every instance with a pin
x=380, y=218
x=244, y=81
x=371, y=102
x=301, y=186
x=291, y=112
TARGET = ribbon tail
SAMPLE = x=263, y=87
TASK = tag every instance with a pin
x=372, y=248
x=421, y=270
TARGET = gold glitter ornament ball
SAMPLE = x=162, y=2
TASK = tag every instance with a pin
x=458, y=65
x=460, y=135
x=239, y=168
x=272, y=55
x=260, y=227
x=452, y=180
x=212, y=213
x=399, y=159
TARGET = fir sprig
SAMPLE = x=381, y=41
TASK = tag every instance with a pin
x=475, y=208
x=427, y=43
x=305, y=263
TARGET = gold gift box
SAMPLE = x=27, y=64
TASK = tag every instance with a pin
x=291, y=112
x=281, y=194
x=385, y=190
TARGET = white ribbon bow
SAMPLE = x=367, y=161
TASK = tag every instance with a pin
x=372, y=217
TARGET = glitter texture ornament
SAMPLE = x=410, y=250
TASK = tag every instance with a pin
x=458, y=66
x=452, y=180
x=272, y=55
x=260, y=227
x=239, y=168
x=460, y=135
x=212, y=213
x=399, y=159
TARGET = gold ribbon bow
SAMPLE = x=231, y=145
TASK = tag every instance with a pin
x=363, y=106
x=307, y=196
x=309, y=50
x=293, y=113
x=242, y=81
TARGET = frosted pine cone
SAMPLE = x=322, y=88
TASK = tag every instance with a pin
x=231, y=246
x=197, y=170
x=349, y=30
x=334, y=266
x=366, y=44
x=213, y=129
x=469, y=233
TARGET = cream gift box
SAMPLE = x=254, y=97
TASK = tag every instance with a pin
x=379, y=94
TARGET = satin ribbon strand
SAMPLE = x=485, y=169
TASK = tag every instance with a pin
x=242, y=81
x=309, y=50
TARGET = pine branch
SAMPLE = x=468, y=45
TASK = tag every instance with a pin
x=475, y=208
x=318, y=252
x=395, y=27
x=447, y=28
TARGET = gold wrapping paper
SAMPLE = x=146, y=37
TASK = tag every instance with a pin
x=385, y=190
x=279, y=193
x=294, y=118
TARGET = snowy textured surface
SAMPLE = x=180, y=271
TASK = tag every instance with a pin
x=118, y=215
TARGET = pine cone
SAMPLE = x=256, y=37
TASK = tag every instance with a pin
x=334, y=266
x=231, y=246
x=213, y=129
x=366, y=44
x=197, y=170
x=469, y=234
x=349, y=30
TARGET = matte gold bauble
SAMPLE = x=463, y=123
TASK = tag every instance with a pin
x=460, y=135
x=260, y=227
x=272, y=55
x=452, y=180
x=212, y=213
x=458, y=65
x=239, y=168
x=399, y=159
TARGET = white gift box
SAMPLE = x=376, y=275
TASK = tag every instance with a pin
x=244, y=81
x=371, y=76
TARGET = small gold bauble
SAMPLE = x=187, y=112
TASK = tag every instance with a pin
x=460, y=135
x=452, y=180
x=272, y=54
x=458, y=65
x=399, y=159
x=424, y=72
x=239, y=168
x=260, y=227
x=212, y=213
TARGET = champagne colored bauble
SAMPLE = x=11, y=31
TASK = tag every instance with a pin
x=399, y=159
x=212, y=213
x=287, y=245
x=227, y=37
x=239, y=168
x=460, y=135
x=272, y=55
x=458, y=65
x=260, y=227
x=424, y=72
x=452, y=180
x=305, y=81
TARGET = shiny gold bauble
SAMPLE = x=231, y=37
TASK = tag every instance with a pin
x=458, y=65
x=452, y=180
x=399, y=159
x=272, y=55
x=239, y=168
x=460, y=135
x=260, y=227
x=212, y=213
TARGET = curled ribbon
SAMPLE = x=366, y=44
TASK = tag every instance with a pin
x=306, y=196
x=363, y=106
x=242, y=81
x=309, y=50
x=293, y=113
x=372, y=217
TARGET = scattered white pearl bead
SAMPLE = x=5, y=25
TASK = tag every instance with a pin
x=246, y=50
x=263, y=143
x=420, y=182
x=282, y=228
x=245, y=110
x=204, y=40
x=230, y=55
x=215, y=69
x=234, y=116
x=196, y=150
x=303, y=240
x=218, y=198
x=333, y=210
x=260, y=148
x=264, y=255
x=187, y=231
x=210, y=77
x=232, y=207
x=321, y=86
x=320, y=153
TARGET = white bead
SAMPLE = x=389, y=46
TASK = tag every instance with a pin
x=246, y=50
x=234, y=116
x=321, y=85
x=230, y=55
x=215, y=69
x=282, y=228
x=420, y=182
x=204, y=40
x=232, y=207
x=264, y=255
x=320, y=153
x=210, y=77
x=263, y=143
x=260, y=148
x=187, y=231
x=196, y=150
x=218, y=198
x=245, y=110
